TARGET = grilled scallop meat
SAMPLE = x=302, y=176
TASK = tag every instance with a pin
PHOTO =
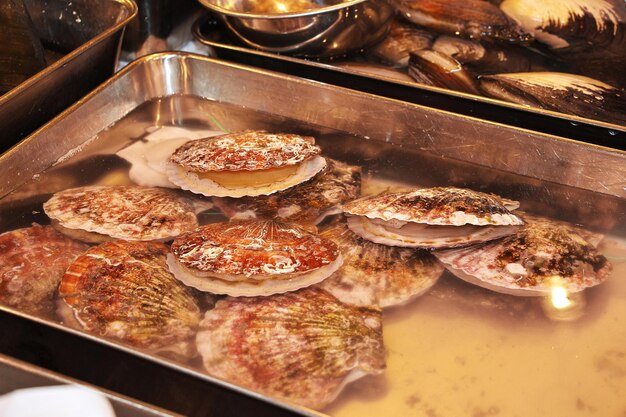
x=301, y=347
x=308, y=203
x=541, y=255
x=103, y=213
x=432, y=218
x=244, y=164
x=380, y=275
x=251, y=258
x=32, y=262
x=123, y=290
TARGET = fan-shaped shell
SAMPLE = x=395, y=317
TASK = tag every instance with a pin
x=432, y=218
x=374, y=274
x=247, y=151
x=122, y=212
x=443, y=206
x=269, y=162
x=301, y=347
x=308, y=203
x=32, y=262
x=148, y=155
x=251, y=257
x=123, y=290
x=527, y=262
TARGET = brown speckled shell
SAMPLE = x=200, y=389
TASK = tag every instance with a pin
x=543, y=248
x=304, y=204
x=245, y=151
x=253, y=247
x=300, y=347
x=436, y=206
x=124, y=290
x=123, y=212
x=374, y=274
x=32, y=262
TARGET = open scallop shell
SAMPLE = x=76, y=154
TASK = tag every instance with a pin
x=189, y=180
x=374, y=274
x=308, y=203
x=540, y=255
x=432, y=218
x=101, y=213
x=301, y=347
x=250, y=153
x=32, y=262
x=251, y=258
x=123, y=290
x=147, y=155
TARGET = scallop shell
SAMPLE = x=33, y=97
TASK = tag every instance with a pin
x=245, y=151
x=308, y=203
x=251, y=151
x=374, y=274
x=123, y=290
x=251, y=258
x=148, y=155
x=32, y=262
x=528, y=262
x=122, y=212
x=301, y=347
x=415, y=218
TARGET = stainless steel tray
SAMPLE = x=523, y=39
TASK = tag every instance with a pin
x=87, y=35
x=15, y=374
x=208, y=31
x=393, y=140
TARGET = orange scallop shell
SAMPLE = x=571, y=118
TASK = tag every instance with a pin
x=302, y=346
x=124, y=290
x=123, y=212
x=32, y=262
x=437, y=206
x=253, y=248
x=245, y=151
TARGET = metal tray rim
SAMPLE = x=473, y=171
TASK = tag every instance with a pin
x=550, y=113
x=46, y=72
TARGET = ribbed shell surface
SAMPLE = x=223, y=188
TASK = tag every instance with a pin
x=374, y=274
x=32, y=262
x=245, y=151
x=123, y=212
x=252, y=248
x=299, y=346
x=445, y=206
x=124, y=290
x=305, y=203
x=527, y=261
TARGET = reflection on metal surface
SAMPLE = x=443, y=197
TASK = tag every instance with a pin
x=15, y=374
x=92, y=32
x=526, y=153
x=561, y=305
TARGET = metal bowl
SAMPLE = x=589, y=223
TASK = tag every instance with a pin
x=310, y=28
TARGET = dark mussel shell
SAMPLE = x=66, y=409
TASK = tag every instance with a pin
x=565, y=93
x=474, y=19
x=440, y=70
x=403, y=38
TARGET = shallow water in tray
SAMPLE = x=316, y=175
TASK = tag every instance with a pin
x=458, y=350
